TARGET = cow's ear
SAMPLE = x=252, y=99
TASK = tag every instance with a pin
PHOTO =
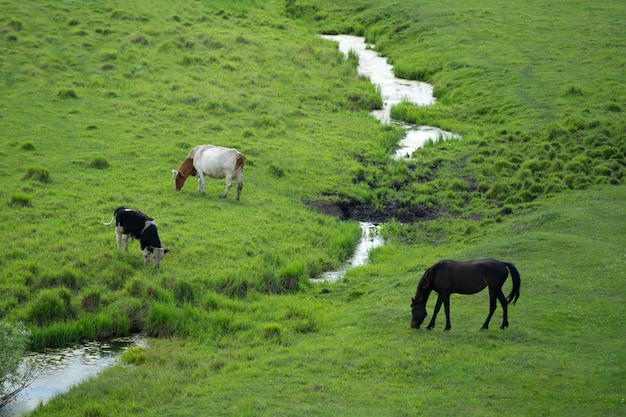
x=150, y=249
x=166, y=250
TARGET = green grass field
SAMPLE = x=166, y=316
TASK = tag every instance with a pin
x=101, y=100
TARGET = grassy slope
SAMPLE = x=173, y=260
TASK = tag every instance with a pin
x=562, y=355
x=535, y=91
x=152, y=81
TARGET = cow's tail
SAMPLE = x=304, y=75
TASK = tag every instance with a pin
x=240, y=160
x=512, y=298
x=109, y=223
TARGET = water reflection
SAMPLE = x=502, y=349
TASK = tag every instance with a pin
x=370, y=239
x=62, y=368
x=393, y=91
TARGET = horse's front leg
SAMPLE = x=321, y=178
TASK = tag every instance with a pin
x=492, y=309
x=435, y=312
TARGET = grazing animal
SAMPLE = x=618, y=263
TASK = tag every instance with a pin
x=467, y=277
x=214, y=161
x=131, y=223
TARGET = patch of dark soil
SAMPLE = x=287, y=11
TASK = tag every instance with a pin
x=353, y=209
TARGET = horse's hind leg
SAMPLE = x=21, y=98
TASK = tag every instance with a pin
x=446, y=309
x=504, y=303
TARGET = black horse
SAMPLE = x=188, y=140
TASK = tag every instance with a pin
x=468, y=277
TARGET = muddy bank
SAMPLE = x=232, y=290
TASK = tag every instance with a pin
x=352, y=209
x=393, y=91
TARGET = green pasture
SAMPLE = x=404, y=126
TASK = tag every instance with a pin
x=350, y=351
x=100, y=100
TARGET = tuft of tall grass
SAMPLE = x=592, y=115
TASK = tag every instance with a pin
x=67, y=93
x=134, y=356
x=20, y=200
x=214, y=301
x=51, y=305
x=272, y=332
x=40, y=174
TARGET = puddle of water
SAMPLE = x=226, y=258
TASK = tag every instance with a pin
x=393, y=91
x=62, y=368
x=370, y=239
x=417, y=137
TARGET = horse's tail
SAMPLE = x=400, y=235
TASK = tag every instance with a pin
x=512, y=298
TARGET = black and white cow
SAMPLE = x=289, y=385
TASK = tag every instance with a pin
x=131, y=223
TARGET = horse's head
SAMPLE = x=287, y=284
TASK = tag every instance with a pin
x=418, y=303
x=418, y=312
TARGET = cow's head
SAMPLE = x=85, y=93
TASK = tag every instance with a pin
x=184, y=170
x=179, y=179
x=157, y=254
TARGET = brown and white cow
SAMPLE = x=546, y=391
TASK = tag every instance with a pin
x=130, y=223
x=213, y=161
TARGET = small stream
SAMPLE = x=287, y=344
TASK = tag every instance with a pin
x=62, y=368
x=393, y=91
x=370, y=239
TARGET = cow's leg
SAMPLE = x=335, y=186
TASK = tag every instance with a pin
x=146, y=256
x=239, y=184
x=201, y=183
x=119, y=230
x=229, y=183
x=126, y=239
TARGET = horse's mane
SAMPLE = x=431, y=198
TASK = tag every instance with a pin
x=425, y=281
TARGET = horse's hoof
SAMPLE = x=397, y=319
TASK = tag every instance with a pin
x=484, y=328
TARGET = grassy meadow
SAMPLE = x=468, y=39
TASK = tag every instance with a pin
x=102, y=99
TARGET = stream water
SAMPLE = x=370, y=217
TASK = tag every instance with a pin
x=393, y=91
x=370, y=239
x=62, y=368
